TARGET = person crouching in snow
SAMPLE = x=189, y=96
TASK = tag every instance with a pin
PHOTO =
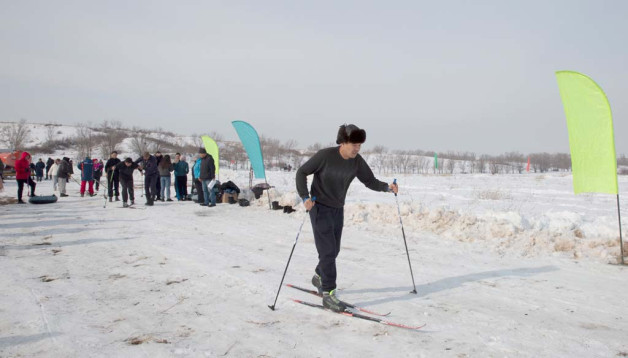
x=23, y=175
x=125, y=172
x=87, y=175
x=334, y=169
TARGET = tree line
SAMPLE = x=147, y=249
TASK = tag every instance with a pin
x=102, y=139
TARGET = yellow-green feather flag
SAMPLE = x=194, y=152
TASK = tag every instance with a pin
x=591, y=137
x=212, y=149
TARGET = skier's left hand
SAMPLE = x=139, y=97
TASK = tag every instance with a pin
x=394, y=188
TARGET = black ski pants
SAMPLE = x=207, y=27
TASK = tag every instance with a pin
x=198, y=185
x=181, y=186
x=127, y=190
x=158, y=187
x=20, y=186
x=327, y=225
x=113, y=183
x=150, y=186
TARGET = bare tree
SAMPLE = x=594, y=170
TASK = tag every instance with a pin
x=84, y=140
x=379, y=152
x=450, y=166
x=216, y=136
x=15, y=135
x=404, y=158
x=113, y=135
x=50, y=133
x=480, y=164
x=139, y=143
x=315, y=147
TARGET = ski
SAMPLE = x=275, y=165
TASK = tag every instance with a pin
x=315, y=293
x=357, y=315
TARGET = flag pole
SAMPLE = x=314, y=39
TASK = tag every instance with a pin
x=621, y=240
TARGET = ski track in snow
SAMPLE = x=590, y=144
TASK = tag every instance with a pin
x=181, y=280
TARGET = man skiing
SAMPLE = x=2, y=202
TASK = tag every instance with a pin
x=334, y=169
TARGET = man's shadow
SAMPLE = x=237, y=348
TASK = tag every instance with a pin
x=448, y=283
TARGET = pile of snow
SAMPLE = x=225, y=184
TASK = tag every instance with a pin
x=521, y=214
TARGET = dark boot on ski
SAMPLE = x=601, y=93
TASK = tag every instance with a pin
x=110, y=199
x=125, y=205
x=331, y=302
x=117, y=198
x=318, y=283
x=132, y=202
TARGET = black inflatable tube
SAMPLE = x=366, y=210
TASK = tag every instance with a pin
x=43, y=199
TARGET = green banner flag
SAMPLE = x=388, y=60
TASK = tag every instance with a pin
x=212, y=149
x=591, y=138
x=435, y=161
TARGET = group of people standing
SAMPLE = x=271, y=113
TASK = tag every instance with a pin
x=157, y=170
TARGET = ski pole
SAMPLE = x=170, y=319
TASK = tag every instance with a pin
x=404, y=240
x=109, y=182
x=290, y=258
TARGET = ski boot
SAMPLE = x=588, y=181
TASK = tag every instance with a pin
x=318, y=283
x=125, y=205
x=331, y=302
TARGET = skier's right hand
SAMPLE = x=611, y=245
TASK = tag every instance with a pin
x=308, y=204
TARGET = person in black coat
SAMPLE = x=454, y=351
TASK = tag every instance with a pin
x=49, y=163
x=39, y=170
x=148, y=164
x=113, y=181
x=158, y=157
x=207, y=177
x=125, y=173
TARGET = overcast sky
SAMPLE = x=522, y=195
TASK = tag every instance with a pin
x=434, y=75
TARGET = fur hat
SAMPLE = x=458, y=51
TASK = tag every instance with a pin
x=350, y=133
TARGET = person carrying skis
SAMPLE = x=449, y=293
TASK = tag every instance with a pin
x=334, y=169
x=125, y=170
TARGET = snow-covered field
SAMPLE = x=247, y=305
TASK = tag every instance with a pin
x=505, y=266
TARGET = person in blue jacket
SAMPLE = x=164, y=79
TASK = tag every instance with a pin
x=87, y=175
x=181, y=170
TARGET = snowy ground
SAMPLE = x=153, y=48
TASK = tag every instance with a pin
x=505, y=266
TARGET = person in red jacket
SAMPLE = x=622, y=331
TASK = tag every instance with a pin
x=23, y=175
